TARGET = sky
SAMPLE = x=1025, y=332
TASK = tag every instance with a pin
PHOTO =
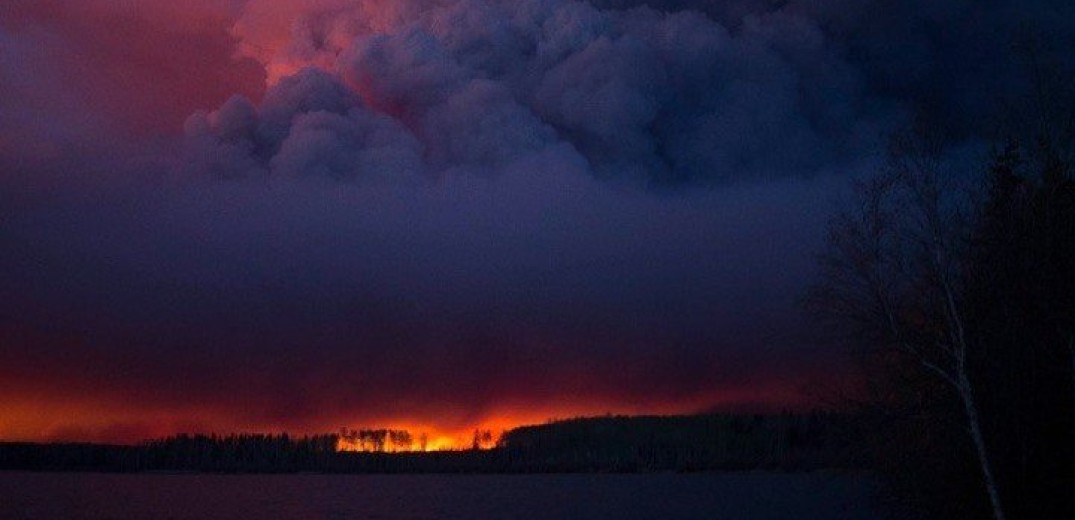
x=266, y=215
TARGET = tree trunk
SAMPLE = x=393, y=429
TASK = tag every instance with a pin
x=1071, y=347
x=966, y=394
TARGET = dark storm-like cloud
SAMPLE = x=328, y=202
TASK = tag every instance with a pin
x=639, y=94
x=663, y=91
x=296, y=303
x=955, y=60
x=445, y=210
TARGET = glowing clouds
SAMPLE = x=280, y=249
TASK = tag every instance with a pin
x=640, y=94
x=442, y=248
x=447, y=213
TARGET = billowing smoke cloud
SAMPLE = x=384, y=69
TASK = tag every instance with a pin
x=308, y=125
x=639, y=94
x=670, y=90
x=302, y=214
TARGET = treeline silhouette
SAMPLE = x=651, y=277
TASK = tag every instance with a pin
x=380, y=440
x=601, y=444
x=681, y=443
x=958, y=293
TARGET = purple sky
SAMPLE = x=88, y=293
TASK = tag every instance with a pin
x=285, y=214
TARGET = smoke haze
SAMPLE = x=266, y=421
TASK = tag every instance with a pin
x=307, y=214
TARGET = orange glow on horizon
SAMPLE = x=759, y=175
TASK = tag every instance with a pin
x=34, y=411
x=420, y=441
x=430, y=437
x=132, y=423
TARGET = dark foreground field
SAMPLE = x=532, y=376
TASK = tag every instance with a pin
x=749, y=495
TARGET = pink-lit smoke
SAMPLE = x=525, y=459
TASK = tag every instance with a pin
x=228, y=214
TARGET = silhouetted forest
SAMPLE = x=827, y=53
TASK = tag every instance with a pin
x=957, y=291
x=681, y=443
x=601, y=444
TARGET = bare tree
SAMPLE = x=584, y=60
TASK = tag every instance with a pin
x=401, y=440
x=378, y=438
x=896, y=269
x=482, y=439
